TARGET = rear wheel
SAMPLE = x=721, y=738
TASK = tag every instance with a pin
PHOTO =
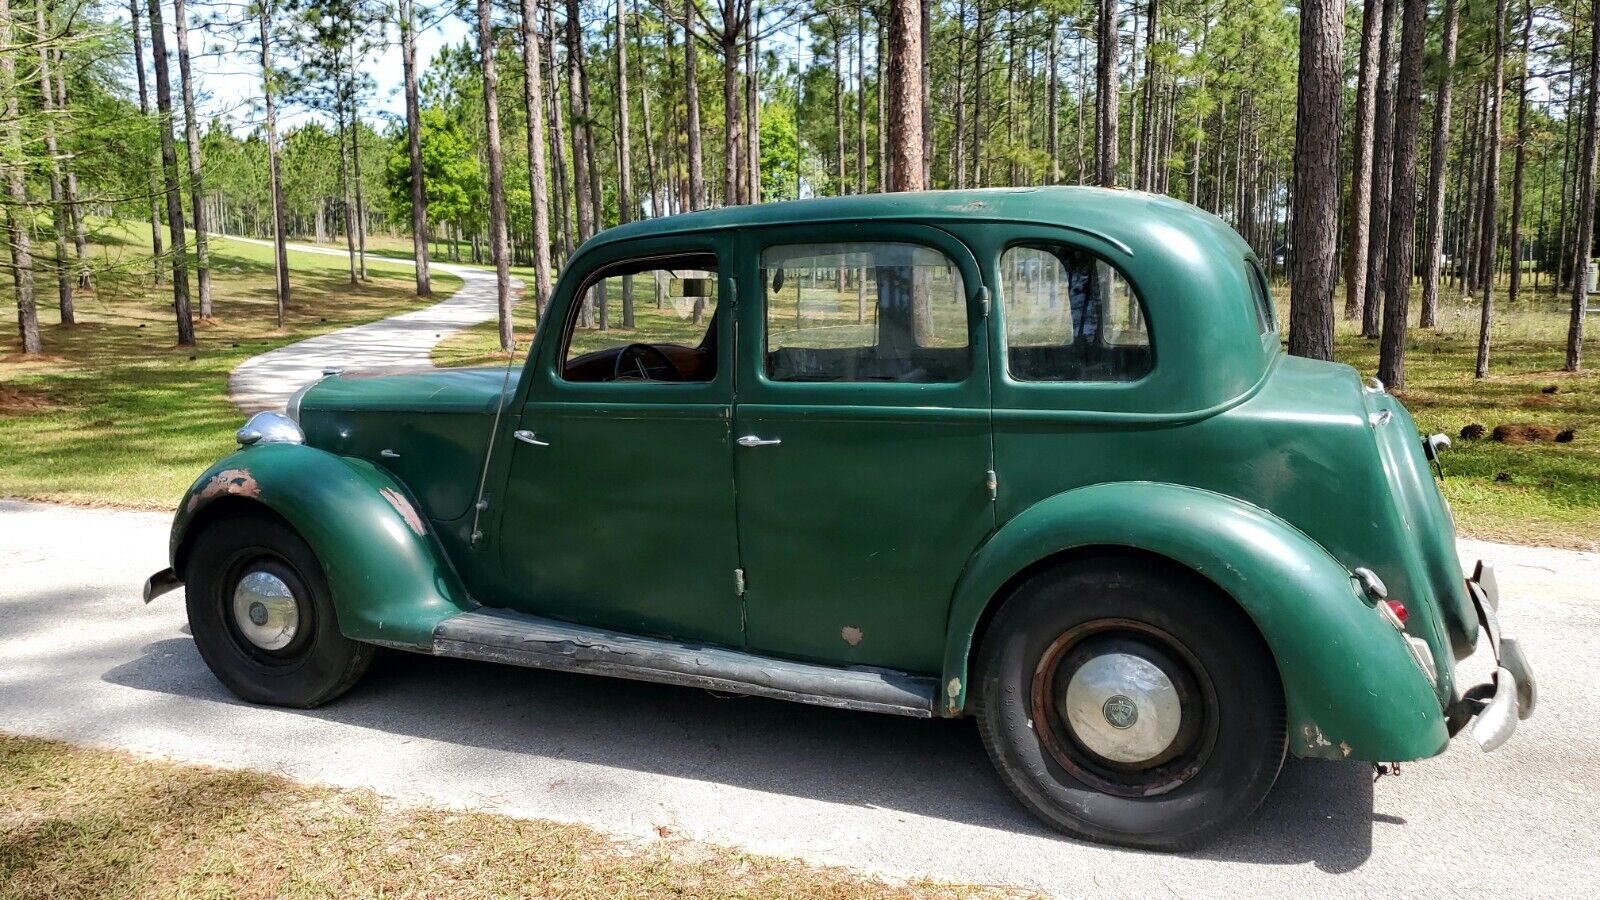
x=1130, y=704
x=262, y=616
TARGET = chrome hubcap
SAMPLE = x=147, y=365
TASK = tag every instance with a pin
x=264, y=610
x=1122, y=707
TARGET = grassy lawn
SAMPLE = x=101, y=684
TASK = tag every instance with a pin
x=78, y=822
x=1533, y=493
x=116, y=413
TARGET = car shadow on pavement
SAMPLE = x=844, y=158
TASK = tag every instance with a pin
x=1320, y=812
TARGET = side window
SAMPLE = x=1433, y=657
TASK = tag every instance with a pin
x=1071, y=316
x=649, y=321
x=1261, y=296
x=864, y=312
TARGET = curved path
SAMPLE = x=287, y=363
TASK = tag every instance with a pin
x=268, y=380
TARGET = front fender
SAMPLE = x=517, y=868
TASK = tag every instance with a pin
x=1350, y=685
x=390, y=578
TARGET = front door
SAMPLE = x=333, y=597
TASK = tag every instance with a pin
x=618, y=509
x=862, y=439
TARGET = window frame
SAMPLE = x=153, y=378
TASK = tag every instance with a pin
x=600, y=272
x=854, y=246
x=1003, y=337
x=753, y=385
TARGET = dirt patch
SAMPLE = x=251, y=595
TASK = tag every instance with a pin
x=1524, y=434
x=25, y=400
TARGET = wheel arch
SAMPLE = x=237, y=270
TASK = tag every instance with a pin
x=390, y=578
x=1350, y=686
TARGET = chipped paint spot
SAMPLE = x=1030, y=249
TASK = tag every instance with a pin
x=1344, y=749
x=228, y=481
x=405, y=509
x=851, y=635
x=953, y=690
x=1314, y=736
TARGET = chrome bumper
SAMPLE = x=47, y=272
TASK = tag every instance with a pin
x=1490, y=711
x=160, y=583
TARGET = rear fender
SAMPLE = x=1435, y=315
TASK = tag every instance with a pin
x=1350, y=685
x=390, y=578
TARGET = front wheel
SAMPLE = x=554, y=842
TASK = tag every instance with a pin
x=262, y=616
x=1130, y=704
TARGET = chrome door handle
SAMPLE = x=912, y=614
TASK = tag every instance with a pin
x=528, y=437
x=388, y=454
x=751, y=440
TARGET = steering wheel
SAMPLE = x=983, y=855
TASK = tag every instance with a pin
x=664, y=370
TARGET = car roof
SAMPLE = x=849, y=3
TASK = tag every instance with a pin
x=1119, y=216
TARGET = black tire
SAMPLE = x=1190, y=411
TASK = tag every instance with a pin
x=317, y=664
x=1226, y=753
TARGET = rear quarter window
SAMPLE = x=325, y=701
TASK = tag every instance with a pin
x=1260, y=295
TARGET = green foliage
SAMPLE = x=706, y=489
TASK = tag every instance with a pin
x=452, y=177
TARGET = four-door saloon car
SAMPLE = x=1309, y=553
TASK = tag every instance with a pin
x=1034, y=457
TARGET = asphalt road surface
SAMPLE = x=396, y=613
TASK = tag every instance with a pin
x=83, y=660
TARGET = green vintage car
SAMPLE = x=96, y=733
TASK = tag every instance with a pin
x=1034, y=457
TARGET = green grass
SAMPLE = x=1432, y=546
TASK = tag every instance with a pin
x=81, y=823
x=115, y=413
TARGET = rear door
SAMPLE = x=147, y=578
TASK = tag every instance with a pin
x=862, y=439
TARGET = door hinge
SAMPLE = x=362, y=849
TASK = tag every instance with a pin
x=992, y=483
x=738, y=582
x=983, y=299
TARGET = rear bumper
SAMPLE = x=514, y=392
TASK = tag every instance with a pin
x=1490, y=711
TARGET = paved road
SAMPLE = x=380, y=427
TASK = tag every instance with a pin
x=267, y=381
x=81, y=659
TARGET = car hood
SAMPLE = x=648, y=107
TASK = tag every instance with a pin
x=419, y=389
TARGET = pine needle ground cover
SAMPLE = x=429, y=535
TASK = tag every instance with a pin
x=78, y=822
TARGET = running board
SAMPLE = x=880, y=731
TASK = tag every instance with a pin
x=502, y=636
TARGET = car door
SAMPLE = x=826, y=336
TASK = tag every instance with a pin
x=862, y=437
x=618, y=507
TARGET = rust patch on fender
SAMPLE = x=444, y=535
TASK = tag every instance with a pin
x=851, y=635
x=405, y=509
x=228, y=481
x=953, y=690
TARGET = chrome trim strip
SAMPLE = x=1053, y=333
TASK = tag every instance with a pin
x=498, y=635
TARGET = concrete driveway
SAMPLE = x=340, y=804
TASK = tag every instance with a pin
x=81, y=659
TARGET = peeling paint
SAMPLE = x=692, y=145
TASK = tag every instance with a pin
x=405, y=509
x=1344, y=749
x=851, y=635
x=953, y=691
x=1314, y=736
x=229, y=481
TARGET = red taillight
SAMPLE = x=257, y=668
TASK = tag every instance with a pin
x=1395, y=612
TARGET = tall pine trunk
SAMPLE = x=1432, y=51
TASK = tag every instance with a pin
x=1491, y=189
x=1403, y=212
x=1382, y=176
x=191, y=139
x=18, y=214
x=1586, y=190
x=274, y=166
x=1355, y=260
x=144, y=110
x=1433, y=252
x=58, y=201
x=181, y=308
x=1520, y=167
x=419, y=198
x=691, y=102
x=538, y=189
x=498, y=249
x=1316, y=178
x=1106, y=79
x=624, y=151
x=578, y=97
x=905, y=95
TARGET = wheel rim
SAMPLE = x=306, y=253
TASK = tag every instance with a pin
x=266, y=612
x=1124, y=707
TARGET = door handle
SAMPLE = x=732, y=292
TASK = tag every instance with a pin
x=751, y=440
x=528, y=437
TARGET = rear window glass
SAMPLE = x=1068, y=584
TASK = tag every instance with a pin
x=1071, y=316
